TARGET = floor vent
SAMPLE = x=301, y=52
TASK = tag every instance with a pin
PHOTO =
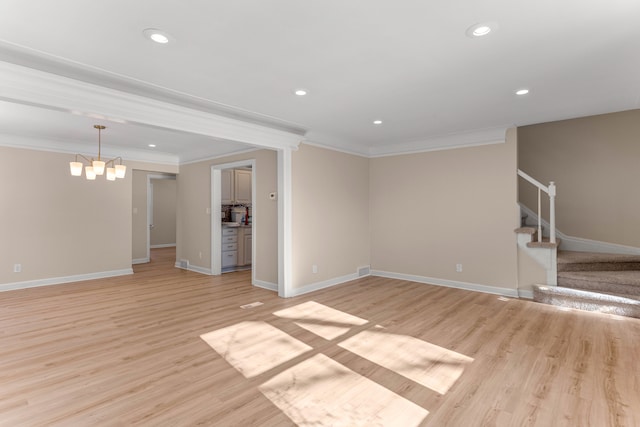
x=252, y=305
x=364, y=271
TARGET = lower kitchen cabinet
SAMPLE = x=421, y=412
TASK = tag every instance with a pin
x=244, y=246
x=229, y=247
x=236, y=248
x=247, y=248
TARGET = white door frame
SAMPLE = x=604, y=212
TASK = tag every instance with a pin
x=150, y=207
x=216, y=218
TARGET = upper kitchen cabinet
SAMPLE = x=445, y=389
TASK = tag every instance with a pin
x=242, y=186
x=228, y=191
x=236, y=186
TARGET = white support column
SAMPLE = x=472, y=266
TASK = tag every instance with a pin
x=285, y=262
x=552, y=212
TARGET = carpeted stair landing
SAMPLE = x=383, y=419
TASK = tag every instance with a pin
x=608, y=283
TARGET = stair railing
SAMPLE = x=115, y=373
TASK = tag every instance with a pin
x=551, y=191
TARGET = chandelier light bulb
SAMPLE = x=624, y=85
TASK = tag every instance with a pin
x=90, y=173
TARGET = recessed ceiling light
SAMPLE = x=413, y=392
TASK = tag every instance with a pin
x=377, y=122
x=479, y=30
x=157, y=36
x=522, y=91
x=301, y=92
x=152, y=145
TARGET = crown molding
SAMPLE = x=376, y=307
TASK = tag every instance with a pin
x=72, y=148
x=35, y=59
x=33, y=87
x=444, y=142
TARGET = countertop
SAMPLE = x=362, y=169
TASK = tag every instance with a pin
x=235, y=225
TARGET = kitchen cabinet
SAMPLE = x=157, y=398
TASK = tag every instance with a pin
x=248, y=240
x=242, y=186
x=229, y=247
x=244, y=246
x=236, y=248
x=228, y=192
x=235, y=186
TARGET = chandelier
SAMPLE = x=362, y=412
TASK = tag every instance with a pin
x=97, y=166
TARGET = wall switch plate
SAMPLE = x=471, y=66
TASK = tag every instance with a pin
x=17, y=268
x=459, y=268
x=314, y=269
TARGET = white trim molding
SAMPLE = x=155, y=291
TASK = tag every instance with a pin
x=444, y=142
x=65, y=279
x=194, y=268
x=166, y=245
x=324, y=284
x=507, y=292
x=523, y=293
x=29, y=86
x=285, y=223
x=140, y=260
x=265, y=285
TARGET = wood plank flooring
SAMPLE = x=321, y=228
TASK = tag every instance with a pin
x=128, y=351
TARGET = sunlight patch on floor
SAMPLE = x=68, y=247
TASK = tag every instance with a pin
x=427, y=364
x=254, y=347
x=321, y=320
x=322, y=392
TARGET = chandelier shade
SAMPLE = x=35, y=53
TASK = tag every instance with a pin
x=94, y=167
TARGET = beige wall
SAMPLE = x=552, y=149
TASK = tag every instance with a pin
x=330, y=205
x=57, y=225
x=594, y=162
x=164, y=212
x=194, y=224
x=431, y=211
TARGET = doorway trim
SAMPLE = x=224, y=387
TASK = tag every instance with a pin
x=150, y=207
x=216, y=217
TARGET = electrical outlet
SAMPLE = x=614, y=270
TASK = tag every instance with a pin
x=200, y=255
x=459, y=268
x=314, y=269
x=17, y=268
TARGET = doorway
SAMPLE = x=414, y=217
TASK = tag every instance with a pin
x=221, y=174
x=161, y=212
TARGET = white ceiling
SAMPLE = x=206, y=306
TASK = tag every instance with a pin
x=408, y=63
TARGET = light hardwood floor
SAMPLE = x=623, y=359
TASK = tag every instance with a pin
x=129, y=351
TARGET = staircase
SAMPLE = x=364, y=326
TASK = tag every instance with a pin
x=603, y=282
x=607, y=283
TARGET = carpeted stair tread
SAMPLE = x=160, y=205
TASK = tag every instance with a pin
x=586, y=300
x=612, y=282
x=591, y=261
x=571, y=257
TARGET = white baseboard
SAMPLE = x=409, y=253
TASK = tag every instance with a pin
x=166, y=245
x=66, y=279
x=265, y=285
x=448, y=283
x=324, y=284
x=522, y=293
x=140, y=261
x=195, y=268
x=571, y=243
